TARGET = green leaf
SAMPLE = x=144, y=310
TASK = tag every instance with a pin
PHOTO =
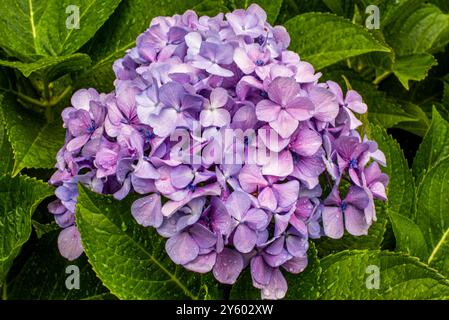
x=6, y=154
x=344, y=8
x=424, y=30
x=129, y=259
x=418, y=127
x=272, y=7
x=19, y=197
x=392, y=13
x=400, y=190
x=34, y=142
x=51, y=68
x=54, y=36
x=345, y=276
x=210, y=8
x=324, y=39
x=33, y=28
x=434, y=146
x=432, y=215
x=383, y=110
x=18, y=23
x=119, y=34
x=401, y=195
x=44, y=276
x=413, y=67
x=42, y=229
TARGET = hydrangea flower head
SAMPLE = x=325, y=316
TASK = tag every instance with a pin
x=225, y=134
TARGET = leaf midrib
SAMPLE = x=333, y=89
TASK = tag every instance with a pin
x=33, y=27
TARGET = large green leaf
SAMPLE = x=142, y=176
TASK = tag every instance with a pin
x=432, y=214
x=19, y=197
x=424, y=30
x=421, y=122
x=401, y=195
x=345, y=276
x=392, y=13
x=34, y=142
x=413, y=67
x=119, y=34
x=18, y=22
x=51, y=68
x=32, y=28
x=210, y=8
x=44, y=275
x=383, y=110
x=129, y=259
x=324, y=39
x=434, y=147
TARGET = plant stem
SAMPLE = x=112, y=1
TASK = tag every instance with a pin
x=4, y=292
x=381, y=78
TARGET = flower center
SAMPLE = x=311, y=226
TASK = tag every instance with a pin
x=260, y=40
x=92, y=127
x=191, y=187
x=343, y=205
x=353, y=164
x=259, y=62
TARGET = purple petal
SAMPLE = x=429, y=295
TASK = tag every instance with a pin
x=203, y=263
x=147, y=211
x=355, y=221
x=182, y=248
x=276, y=288
x=181, y=176
x=244, y=238
x=228, y=266
x=260, y=272
x=333, y=222
x=287, y=193
x=69, y=243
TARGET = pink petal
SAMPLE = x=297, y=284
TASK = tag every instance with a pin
x=333, y=222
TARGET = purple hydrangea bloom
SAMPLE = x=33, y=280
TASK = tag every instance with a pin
x=228, y=137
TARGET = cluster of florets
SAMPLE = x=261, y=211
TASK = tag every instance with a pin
x=238, y=151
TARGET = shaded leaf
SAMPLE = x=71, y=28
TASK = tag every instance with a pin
x=19, y=197
x=51, y=68
x=34, y=142
x=44, y=276
x=434, y=146
x=413, y=67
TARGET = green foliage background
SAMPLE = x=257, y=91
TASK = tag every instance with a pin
x=401, y=70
